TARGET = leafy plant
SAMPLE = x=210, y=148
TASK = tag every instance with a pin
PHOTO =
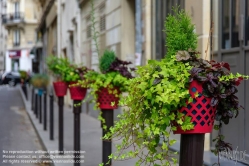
x=40, y=80
x=53, y=64
x=106, y=60
x=116, y=74
x=23, y=75
x=180, y=33
x=64, y=70
x=219, y=84
x=161, y=88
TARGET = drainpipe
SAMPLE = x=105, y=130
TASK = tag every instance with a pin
x=138, y=55
x=59, y=28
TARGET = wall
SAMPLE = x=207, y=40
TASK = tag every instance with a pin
x=119, y=33
x=68, y=16
x=25, y=61
x=3, y=37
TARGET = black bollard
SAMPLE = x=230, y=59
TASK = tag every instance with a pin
x=61, y=104
x=107, y=114
x=24, y=89
x=76, y=111
x=191, y=149
x=32, y=99
x=40, y=108
x=51, y=104
x=45, y=110
x=36, y=104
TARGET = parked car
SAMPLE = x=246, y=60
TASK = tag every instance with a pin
x=11, y=78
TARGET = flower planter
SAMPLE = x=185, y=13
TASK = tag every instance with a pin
x=105, y=99
x=40, y=92
x=200, y=110
x=77, y=92
x=60, y=88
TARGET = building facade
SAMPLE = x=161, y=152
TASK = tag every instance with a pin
x=3, y=36
x=20, y=20
x=115, y=22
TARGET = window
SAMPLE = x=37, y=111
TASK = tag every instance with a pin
x=247, y=23
x=17, y=10
x=215, y=23
x=89, y=31
x=102, y=23
x=16, y=37
x=88, y=27
x=102, y=17
x=162, y=9
x=230, y=23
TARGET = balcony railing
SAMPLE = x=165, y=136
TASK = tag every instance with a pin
x=16, y=44
x=13, y=18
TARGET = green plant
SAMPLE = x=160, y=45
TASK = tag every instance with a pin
x=106, y=60
x=116, y=74
x=53, y=64
x=180, y=33
x=64, y=70
x=40, y=81
x=161, y=88
x=23, y=75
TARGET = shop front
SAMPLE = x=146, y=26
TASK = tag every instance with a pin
x=18, y=60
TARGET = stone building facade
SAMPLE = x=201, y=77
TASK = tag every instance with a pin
x=20, y=21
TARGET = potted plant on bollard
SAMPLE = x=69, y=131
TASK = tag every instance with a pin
x=57, y=66
x=40, y=81
x=106, y=89
x=74, y=75
x=107, y=86
x=24, y=78
x=182, y=93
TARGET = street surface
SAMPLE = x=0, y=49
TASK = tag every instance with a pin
x=16, y=130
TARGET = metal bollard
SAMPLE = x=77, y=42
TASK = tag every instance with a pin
x=107, y=145
x=188, y=156
x=61, y=124
x=51, y=117
x=40, y=108
x=45, y=110
x=36, y=104
x=24, y=89
x=32, y=98
x=76, y=111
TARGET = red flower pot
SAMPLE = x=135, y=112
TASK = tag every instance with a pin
x=60, y=88
x=200, y=110
x=77, y=92
x=105, y=99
